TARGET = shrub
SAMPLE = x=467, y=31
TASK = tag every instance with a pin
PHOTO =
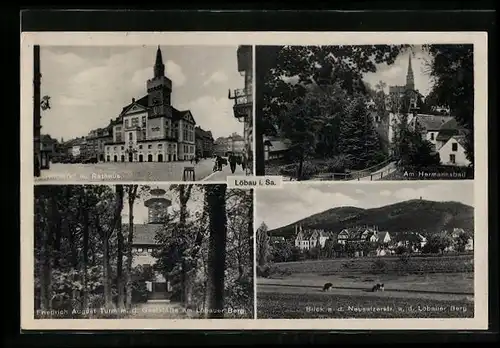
x=339, y=164
x=379, y=266
x=263, y=271
x=401, y=249
x=309, y=169
x=270, y=270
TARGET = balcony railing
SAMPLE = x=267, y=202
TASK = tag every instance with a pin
x=241, y=97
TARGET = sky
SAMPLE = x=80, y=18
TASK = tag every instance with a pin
x=395, y=74
x=195, y=203
x=297, y=201
x=89, y=86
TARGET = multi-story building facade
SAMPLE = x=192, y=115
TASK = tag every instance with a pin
x=150, y=128
x=97, y=140
x=243, y=98
x=48, y=148
x=204, y=143
x=234, y=143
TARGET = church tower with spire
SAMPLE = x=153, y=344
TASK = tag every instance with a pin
x=159, y=89
x=410, y=80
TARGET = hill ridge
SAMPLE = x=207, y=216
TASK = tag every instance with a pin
x=419, y=215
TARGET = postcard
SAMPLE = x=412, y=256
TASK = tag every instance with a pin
x=254, y=180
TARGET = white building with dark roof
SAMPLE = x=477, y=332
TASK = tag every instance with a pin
x=275, y=148
x=150, y=129
x=431, y=125
x=453, y=152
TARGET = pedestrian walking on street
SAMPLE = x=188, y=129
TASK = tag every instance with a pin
x=243, y=162
x=232, y=162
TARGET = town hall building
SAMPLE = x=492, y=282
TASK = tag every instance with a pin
x=150, y=129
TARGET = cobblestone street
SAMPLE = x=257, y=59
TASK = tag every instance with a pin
x=124, y=171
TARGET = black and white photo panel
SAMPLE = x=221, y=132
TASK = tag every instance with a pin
x=373, y=251
x=366, y=112
x=142, y=252
x=141, y=113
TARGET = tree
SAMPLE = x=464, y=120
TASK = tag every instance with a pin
x=69, y=250
x=106, y=233
x=410, y=148
x=452, y=68
x=239, y=250
x=262, y=245
x=45, y=253
x=438, y=243
x=133, y=193
x=282, y=251
x=184, y=192
x=462, y=240
x=287, y=72
x=314, y=253
x=215, y=196
x=358, y=137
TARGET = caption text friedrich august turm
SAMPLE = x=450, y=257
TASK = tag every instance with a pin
x=144, y=310
x=246, y=182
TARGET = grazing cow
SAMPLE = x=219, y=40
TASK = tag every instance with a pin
x=327, y=286
x=378, y=287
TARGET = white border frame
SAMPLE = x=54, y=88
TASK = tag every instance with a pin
x=28, y=39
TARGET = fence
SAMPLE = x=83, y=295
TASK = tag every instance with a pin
x=188, y=174
x=369, y=174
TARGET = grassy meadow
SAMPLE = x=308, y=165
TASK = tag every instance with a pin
x=419, y=287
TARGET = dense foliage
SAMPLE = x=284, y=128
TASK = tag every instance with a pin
x=315, y=96
x=83, y=252
x=184, y=255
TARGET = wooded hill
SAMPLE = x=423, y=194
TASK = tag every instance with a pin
x=425, y=217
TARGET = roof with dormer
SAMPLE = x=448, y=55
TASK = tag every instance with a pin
x=432, y=122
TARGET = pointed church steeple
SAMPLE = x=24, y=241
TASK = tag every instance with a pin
x=410, y=82
x=159, y=68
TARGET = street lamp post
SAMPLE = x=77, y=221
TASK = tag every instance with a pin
x=36, y=110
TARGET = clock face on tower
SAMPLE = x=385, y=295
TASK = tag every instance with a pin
x=156, y=100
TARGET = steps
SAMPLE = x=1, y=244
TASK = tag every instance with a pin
x=154, y=296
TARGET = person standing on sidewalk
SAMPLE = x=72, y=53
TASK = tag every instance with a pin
x=232, y=162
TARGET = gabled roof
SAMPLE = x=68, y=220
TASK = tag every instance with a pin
x=143, y=102
x=47, y=139
x=450, y=124
x=201, y=133
x=383, y=234
x=432, y=122
x=450, y=129
x=344, y=231
x=317, y=233
x=407, y=237
x=185, y=114
x=277, y=144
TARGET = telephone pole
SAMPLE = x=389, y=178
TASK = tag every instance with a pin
x=36, y=110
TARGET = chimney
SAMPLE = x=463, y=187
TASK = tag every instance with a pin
x=133, y=100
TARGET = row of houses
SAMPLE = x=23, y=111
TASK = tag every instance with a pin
x=306, y=239
x=93, y=145
x=234, y=143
